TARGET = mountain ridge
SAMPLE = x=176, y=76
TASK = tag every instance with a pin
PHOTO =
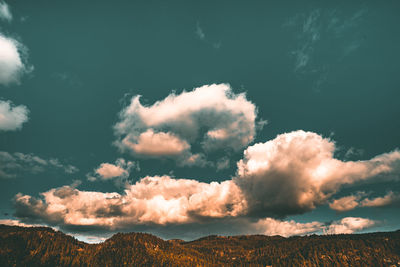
x=44, y=246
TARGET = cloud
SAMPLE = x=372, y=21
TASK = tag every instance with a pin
x=152, y=200
x=211, y=115
x=12, y=117
x=91, y=239
x=346, y=203
x=150, y=143
x=270, y=226
x=202, y=36
x=12, y=222
x=296, y=172
x=200, y=32
x=314, y=32
x=291, y=174
x=223, y=163
x=5, y=13
x=354, y=201
x=353, y=152
x=349, y=225
x=387, y=200
x=107, y=171
x=12, y=61
x=12, y=164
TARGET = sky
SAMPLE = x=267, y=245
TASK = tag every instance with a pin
x=185, y=118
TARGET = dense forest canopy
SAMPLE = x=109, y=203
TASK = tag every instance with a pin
x=42, y=246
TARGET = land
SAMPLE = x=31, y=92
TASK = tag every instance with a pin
x=42, y=246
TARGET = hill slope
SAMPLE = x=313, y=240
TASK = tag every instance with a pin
x=41, y=246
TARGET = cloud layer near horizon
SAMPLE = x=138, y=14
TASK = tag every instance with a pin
x=157, y=200
x=291, y=174
x=347, y=225
x=212, y=115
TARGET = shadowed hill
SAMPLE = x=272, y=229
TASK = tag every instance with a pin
x=41, y=246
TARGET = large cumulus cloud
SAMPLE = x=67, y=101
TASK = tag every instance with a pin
x=296, y=172
x=211, y=115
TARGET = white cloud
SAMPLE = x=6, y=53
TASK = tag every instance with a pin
x=5, y=13
x=345, y=203
x=150, y=143
x=349, y=225
x=158, y=200
x=12, y=117
x=295, y=172
x=291, y=174
x=270, y=226
x=211, y=115
x=12, y=222
x=12, y=66
x=389, y=199
x=354, y=201
x=11, y=164
x=107, y=171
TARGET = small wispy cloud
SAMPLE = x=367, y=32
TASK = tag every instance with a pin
x=202, y=36
x=223, y=164
x=314, y=32
x=200, y=32
x=12, y=164
x=70, y=79
x=5, y=13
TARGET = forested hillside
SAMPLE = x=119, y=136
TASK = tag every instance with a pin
x=41, y=246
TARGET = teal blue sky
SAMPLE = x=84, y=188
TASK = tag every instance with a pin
x=326, y=67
